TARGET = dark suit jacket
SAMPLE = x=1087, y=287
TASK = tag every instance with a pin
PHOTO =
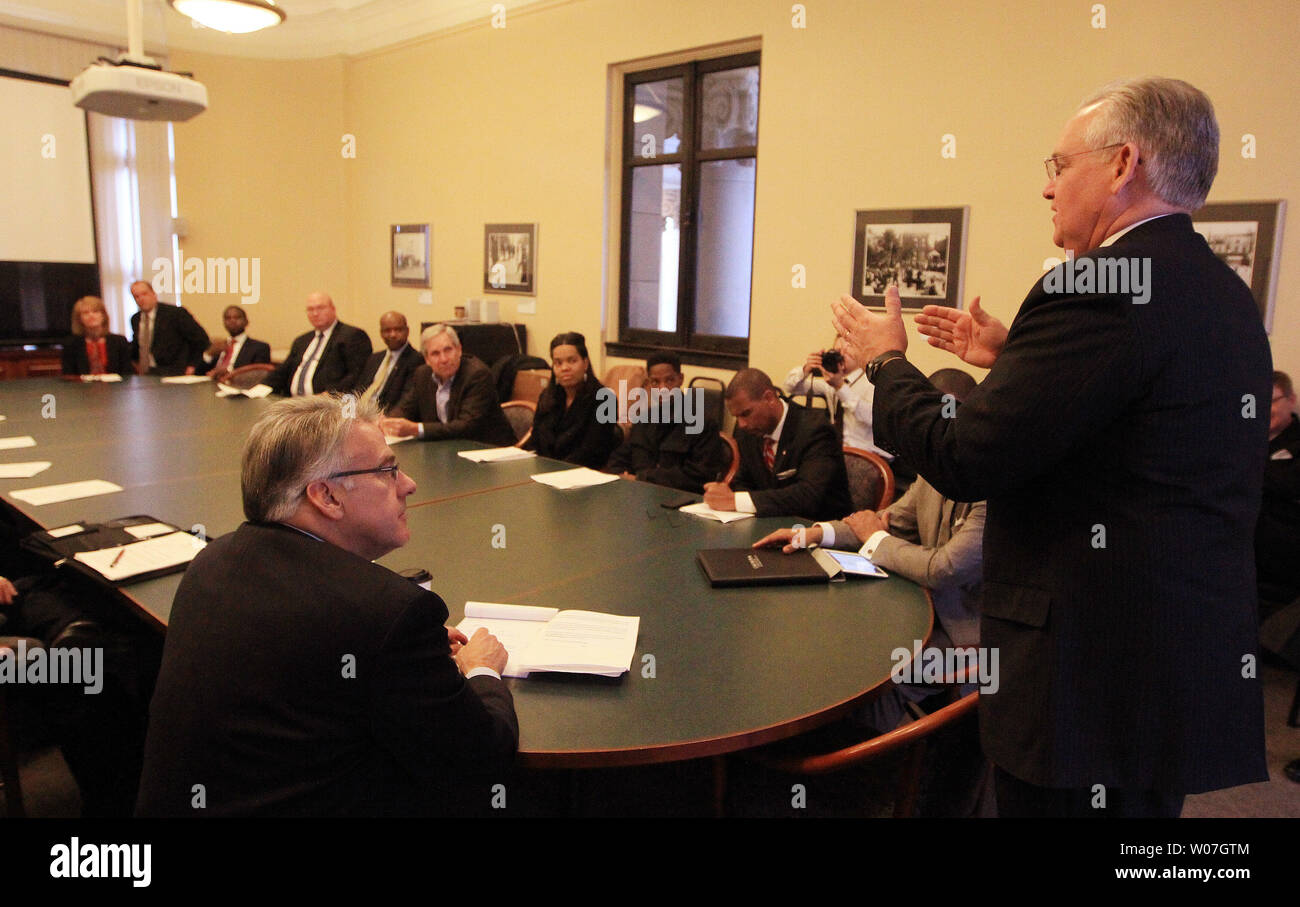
x=329, y=692
x=666, y=455
x=408, y=360
x=816, y=486
x=178, y=340
x=339, y=364
x=472, y=412
x=574, y=434
x=76, y=362
x=251, y=353
x=1277, y=534
x=1122, y=469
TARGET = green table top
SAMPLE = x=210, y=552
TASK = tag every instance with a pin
x=728, y=668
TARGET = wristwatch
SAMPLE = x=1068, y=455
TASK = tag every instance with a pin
x=874, y=365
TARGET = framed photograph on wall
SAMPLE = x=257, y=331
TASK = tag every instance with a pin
x=920, y=249
x=1247, y=237
x=410, y=255
x=510, y=258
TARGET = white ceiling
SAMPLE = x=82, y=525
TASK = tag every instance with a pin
x=314, y=28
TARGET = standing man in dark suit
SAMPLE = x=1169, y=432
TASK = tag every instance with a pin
x=791, y=463
x=450, y=396
x=386, y=372
x=1120, y=440
x=239, y=349
x=166, y=340
x=299, y=678
x=327, y=358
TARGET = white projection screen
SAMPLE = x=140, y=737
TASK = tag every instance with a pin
x=44, y=175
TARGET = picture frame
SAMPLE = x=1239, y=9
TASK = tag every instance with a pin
x=510, y=259
x=1247, y=237
x=923, y=250
x=409, y=255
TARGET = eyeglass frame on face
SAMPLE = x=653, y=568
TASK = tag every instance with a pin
x=392, y=469
x=1052, y=162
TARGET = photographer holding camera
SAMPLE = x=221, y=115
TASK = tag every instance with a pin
x=837, y=376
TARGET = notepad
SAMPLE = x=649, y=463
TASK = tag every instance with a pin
x=497, y=454
x=256, y=392
x=723, y=516
x=16, y=442
x=185, y=379
x=581, y=477
x=547, y=639
x=68, y=491
x=158, y=553
x=106, y=378
x=23, y=470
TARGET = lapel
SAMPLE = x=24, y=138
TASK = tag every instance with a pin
x=788, y=432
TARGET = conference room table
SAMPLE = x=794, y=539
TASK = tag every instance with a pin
x=714, y=670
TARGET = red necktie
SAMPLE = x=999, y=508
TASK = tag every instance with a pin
x=224, y=362
x=769, y=453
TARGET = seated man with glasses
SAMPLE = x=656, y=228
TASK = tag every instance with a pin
x=299, y=678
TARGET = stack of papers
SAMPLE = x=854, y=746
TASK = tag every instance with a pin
x=497, y=454
x=68, y=491
x=547, y=639
x=574, y=478
x=722, y=516
x=185, y=379
x=23, y=470
x=256, y=391
x=20, y=441
x=108, y=377
x=157, y=553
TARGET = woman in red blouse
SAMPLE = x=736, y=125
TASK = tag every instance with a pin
x=92, y=350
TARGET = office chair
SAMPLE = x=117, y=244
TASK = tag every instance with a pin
x=871, y=481
x=519, y=413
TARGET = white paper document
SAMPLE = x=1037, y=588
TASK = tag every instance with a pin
x=106, y=378
x=158, y=553
x=185, y=379
x=149, y=530
x=497, y=454
x=23, y=470
x=545, y=639
x=722, y=516
x=68, y=491
x=256, y=391
x=20, y=441
x=574, y=478
x=66, y=530
x=390, y=440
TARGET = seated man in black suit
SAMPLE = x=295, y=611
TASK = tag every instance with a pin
x=386, y=372
x=299, y=678
x=327, y=358
x=450, y=396
x=238, y=350
x=791, y=463
x=169, y=341
x=666, y=452
x=1277, y=534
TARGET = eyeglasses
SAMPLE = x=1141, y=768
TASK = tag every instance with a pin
x=1053, y=163
x=392, y=469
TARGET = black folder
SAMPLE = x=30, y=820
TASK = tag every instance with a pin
x=759, y=567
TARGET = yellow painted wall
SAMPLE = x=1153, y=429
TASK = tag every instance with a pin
x=511, y=125
x=260, y=174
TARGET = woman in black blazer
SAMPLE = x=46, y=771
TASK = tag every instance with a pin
x=565, y=426
x=92, y=350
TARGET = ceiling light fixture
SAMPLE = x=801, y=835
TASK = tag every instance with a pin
x=233, y=16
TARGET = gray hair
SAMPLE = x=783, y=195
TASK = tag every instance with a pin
x=434, y=330
x=1174, y=127
x=296, y=442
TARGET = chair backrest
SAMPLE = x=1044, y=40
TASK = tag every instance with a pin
x=735, y=457
x=9, y=779
x=529, y=384
x=871, y=481
x=519, y=413
x=247, y=376
x=715, y=409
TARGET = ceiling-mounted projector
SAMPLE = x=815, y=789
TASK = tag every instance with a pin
x=138, y=92
x=134, y=86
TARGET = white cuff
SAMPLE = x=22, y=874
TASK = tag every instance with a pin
x=828, y=535
x=482, y=670
x=744, y=503
x=869, y=549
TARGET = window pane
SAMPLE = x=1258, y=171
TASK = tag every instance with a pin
x=657, y=118
x=652, y=247
x=725, y=247
x=729, y=108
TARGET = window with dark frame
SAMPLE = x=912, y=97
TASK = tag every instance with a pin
x=690, y=154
